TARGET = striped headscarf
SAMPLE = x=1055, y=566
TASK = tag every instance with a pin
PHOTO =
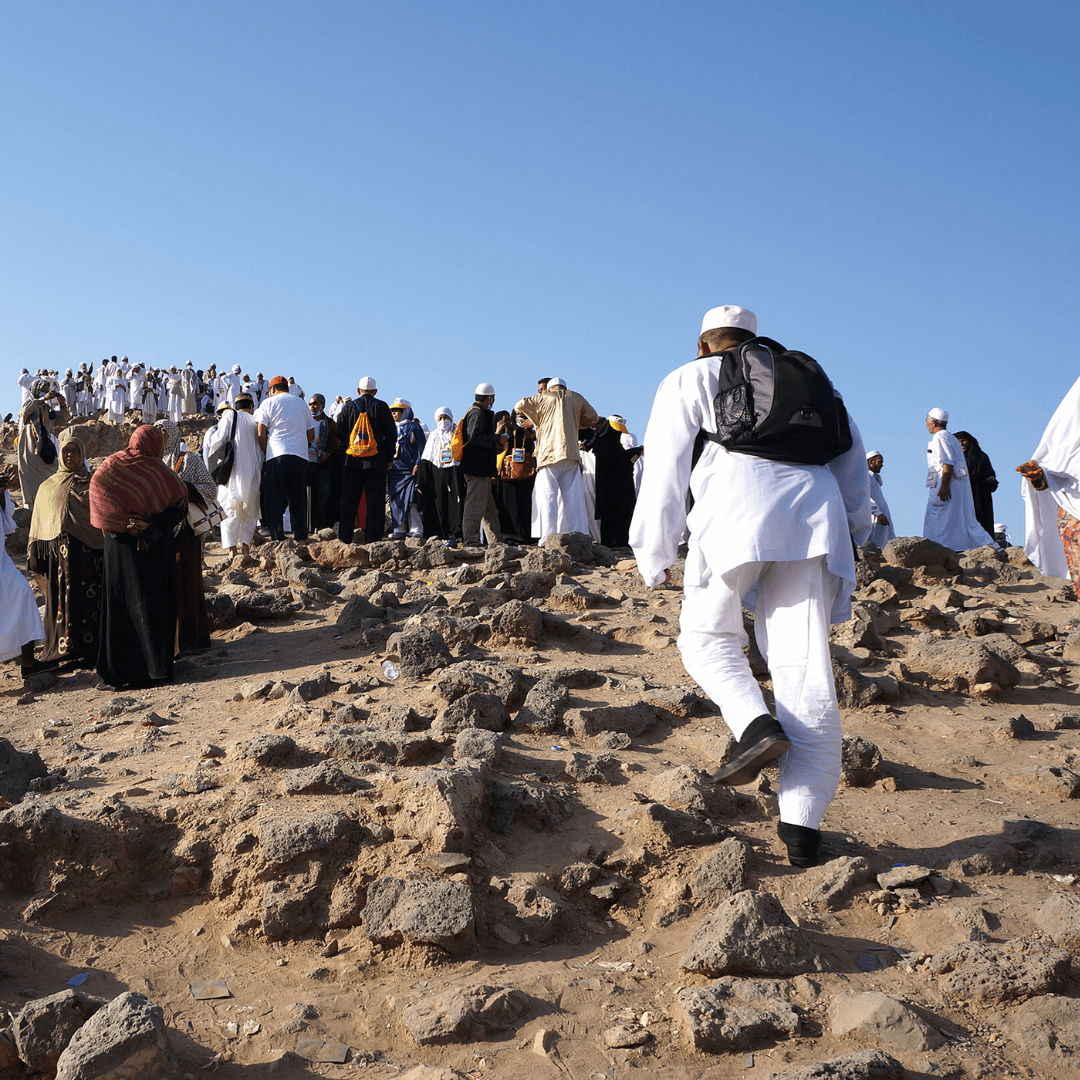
x=134, y=482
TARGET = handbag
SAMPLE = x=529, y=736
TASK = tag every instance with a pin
x=220, y=465
x=517, y=464
x=203, y=519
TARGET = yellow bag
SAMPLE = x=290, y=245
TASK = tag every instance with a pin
x=362, y=441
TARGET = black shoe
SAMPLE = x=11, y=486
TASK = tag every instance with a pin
x=803, y=844
x=763, y=741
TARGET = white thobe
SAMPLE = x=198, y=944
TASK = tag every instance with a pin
x=951, y=523
x=880, y=535
x=20, y=620
x=1058, y=453
x=558, y=503
x=240, y=496
x=588, y=491
x=174, y=405
x=24, y=382
x=117, y=390
x=232, y=387
x=190, y=382
x=629, y=440
x=767, y=535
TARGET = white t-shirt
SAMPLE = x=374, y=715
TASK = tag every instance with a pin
x=286, y=419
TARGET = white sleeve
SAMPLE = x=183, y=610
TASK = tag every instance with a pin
x=854, y=480
x=679, y=412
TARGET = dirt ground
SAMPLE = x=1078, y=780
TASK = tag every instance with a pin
x=952, y=774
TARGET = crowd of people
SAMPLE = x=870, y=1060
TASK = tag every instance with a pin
x=772, y=504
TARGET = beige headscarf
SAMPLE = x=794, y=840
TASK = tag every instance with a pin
x=63, y=503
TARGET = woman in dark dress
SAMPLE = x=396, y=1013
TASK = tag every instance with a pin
x=65, y=555
x=983, y=481
x=615, y=497
x=137, y=501
x=513, y=497
x=192, y=621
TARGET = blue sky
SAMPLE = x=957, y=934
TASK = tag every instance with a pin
x=439, y=194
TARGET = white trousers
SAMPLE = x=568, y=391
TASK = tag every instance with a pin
x=791, y=625
x=558, y=501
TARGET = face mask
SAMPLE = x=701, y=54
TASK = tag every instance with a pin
x=445, y=425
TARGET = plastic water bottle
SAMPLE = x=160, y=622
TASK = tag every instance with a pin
x=390, y=670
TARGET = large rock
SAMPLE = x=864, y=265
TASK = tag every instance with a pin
x=124, y=1040
x=576, y=546
x=633, y=720
x=860, y=764
x=421, y=651
x=17, y=769
x=381, y=745
x=444, y=806
x=993, y=974
x=1048, y=1028
x=464, y=1015
x=865, y=1065
x=481, y=676
x=877, y=1018
x=833, y=884
x=337, y=555
x=421, y=912
x=517, y=623
x=960, y=663
x=356, y=610
x=750, y=934
x=45, y=1026
x=473, y=711
x=735, y=1014
x=283, y=841
x=1059, y=919
x=679, y=829
x=722, y=873
x=544, y=705
x=914, y=551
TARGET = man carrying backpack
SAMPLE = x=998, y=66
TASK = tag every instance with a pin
x=369, y=445
x=780, y=491
x=479, y=466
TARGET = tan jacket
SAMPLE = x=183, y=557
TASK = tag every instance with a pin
x=557, y=415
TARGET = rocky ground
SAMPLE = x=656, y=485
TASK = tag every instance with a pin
x=509, y=859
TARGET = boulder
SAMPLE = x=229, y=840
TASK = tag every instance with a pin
x=444, y=806
x=421, y=651
x=270, y=751
x=337, y=555
x=833, y=884
x=860, y=764
x=45, y=1026
x=326, y=778
x=478, y=744
x=544, y=705
x=722, y=874
x=578, y=547
x=1048, y=1028
x=662, y=824
x=592, y=768
x=285, y=840
x=517, y=623
x=960, y=663
x=521, y=803
x=123, y=1040
x=17, y=769
x=634, y=720
x=993, y=974
x=546, y=561
x=421, y=912
x=911, y=551
x=473, y=711
x=865, y=1065
x=381, y=745
x=750, y=934
x=1059, y=919
x=504, y=680
x=735, y=1014
x=874, y=1017
x=464, y=1015
x=358, y=608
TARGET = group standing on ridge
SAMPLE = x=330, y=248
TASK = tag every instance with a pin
x=754, y=471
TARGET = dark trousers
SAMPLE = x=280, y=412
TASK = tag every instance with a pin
x=371, y=483
x=319, y=482
x=284, y=483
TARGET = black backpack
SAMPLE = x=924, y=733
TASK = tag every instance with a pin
x=778, y=404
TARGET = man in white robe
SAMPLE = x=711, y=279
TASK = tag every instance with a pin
x=880, y=514
x=558, y=414
x=69, y=388
x=191, y=385
x=174, y=407
x=116, y=389
x=240, y=496
x=768, y=535
x=950, y=510
x=1051, y=490
x=232, y=385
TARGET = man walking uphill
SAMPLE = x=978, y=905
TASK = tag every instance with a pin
x=771, y=533
x=369, y=449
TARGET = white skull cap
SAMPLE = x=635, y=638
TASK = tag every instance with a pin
x=366, y=383
x=729, y=315
x=555, y=384
x=236, y=369
x=485, y=389
x=940, y=415
x=873, y=453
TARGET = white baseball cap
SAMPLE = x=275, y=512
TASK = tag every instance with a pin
x=729, y=315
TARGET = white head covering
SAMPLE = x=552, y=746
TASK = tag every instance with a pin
x=190, y=364
x=236, y=369
x=443, y=410
x=484, y=389
x=366, y=383
x=873, y=453
x=556, y=383
x=729, y=315
x=940, y=415
x=401, y=403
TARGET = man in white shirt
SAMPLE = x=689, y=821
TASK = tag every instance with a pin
x=882, y=530
x=769, y=535
x=284, y=431
x=950, y=510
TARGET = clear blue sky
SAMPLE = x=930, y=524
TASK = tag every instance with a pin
x=439, y=194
